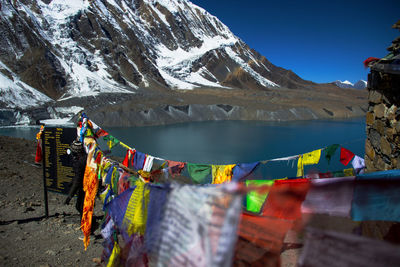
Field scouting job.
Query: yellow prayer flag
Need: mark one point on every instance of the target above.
(136, 211)
(300, 167)
(348, 172)
(307, 159)
(113, 261)
(312, 157)
(222, 173)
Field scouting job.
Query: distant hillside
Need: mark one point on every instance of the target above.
(361, 84)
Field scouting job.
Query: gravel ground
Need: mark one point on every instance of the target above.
(27, 237)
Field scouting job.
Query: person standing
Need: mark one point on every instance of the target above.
(78, 157)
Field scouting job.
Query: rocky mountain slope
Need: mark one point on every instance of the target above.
(55, 54)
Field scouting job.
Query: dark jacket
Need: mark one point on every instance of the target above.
(78, 157)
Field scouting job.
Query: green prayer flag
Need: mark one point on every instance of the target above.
(255, 200)
(111, 141)
(329, 151)
(199, 173)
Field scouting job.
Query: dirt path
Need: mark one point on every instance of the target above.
(27, 238)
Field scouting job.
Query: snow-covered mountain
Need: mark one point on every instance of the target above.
(361, 84)
(81, 48)
(139, 61)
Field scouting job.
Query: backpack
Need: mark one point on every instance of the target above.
(77, 147)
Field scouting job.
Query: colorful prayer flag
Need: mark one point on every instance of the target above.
(199, 172)
(329, 151)
(345, 156)
(222, 173)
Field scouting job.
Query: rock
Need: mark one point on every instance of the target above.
(369, 151)
(379, 126)
(51, 252)
(369, 164)
(374, 96)
(395, 162)
(380, 164)
(370, 118)
(375, 139)
(379, 110)
(385, 146)
(390, 113)
(397, 127)
(390, 132)
(29, 209)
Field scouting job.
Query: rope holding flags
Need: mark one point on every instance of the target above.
(129, 195)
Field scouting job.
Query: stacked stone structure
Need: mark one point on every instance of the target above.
(382, 147)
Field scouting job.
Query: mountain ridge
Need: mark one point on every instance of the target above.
(84, 49)
(360, 84)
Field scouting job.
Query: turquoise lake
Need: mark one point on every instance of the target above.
(228, 142)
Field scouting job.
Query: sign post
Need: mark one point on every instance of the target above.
(57, 168)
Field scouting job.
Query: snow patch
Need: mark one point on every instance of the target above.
(64, 121)
(15, 93)
(260, 79)
(61, 9)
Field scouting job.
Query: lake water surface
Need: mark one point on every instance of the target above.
(225, 142)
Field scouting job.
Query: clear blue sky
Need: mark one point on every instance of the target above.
(321, 41)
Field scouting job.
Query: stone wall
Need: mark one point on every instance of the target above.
(382, 147)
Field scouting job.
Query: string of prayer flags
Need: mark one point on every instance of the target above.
(157, 200)
(90, 185)
(117, 207)
(111, 141)
(285, 198)
(329, 151)
(260, 240)
(175, 167)
(330, 248)
(312, 157)
(198, 227)
(199, 172)
(345, 156)
(242, 170)
(138, 160)
(330, 196)
(376, 197)
(115, 256)
(358, 164)
(309, 158)
(222, 173)
(135, 254)
(148, 163)
(39, 155)
(255, 200)
(136, 211)
(129, 156)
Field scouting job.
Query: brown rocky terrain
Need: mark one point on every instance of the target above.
(27, 237)
(155, 107)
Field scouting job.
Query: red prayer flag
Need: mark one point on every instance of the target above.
(285, 199)
(38, 157)
(345, 156)
(369, 61)
(126, 159)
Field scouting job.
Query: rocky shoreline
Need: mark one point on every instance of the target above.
(160, 107)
